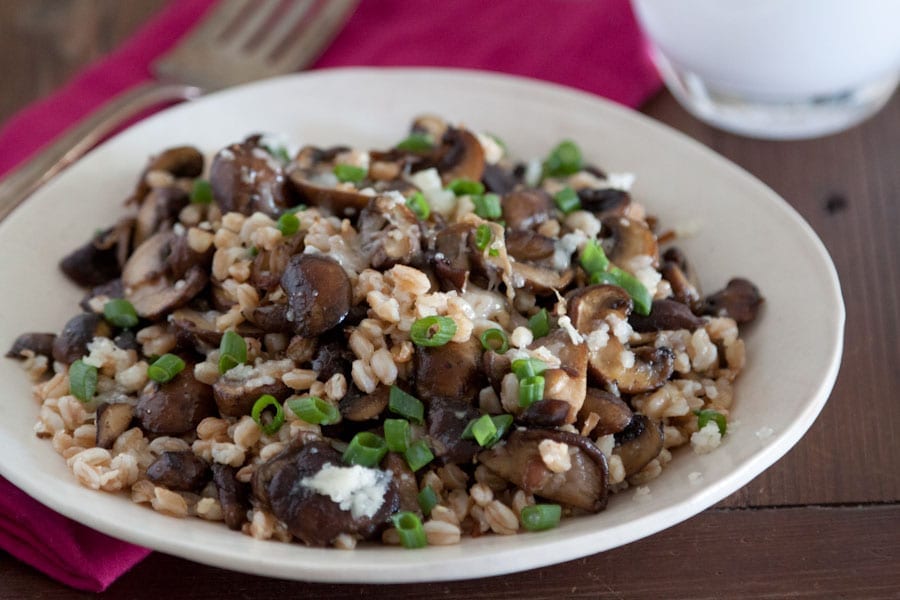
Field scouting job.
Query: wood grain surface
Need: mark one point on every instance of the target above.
(824, 522)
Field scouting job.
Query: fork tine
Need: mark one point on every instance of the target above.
(257, 18)
(218, 21)
(297, 11)
(322, 28)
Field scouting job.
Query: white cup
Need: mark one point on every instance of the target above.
(777, 69)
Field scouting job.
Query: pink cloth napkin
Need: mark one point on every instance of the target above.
(589, 44)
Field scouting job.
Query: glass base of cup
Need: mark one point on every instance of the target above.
(775, 119)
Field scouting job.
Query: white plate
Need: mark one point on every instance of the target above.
(745, 229)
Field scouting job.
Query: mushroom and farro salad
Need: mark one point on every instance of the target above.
(410, 345)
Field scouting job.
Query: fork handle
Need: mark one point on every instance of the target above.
(79, 139)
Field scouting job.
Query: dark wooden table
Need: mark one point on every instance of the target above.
(824, 522)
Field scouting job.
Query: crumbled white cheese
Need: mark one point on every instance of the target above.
(533, 171)
(565, 324)
(564, 247)
(555, 455)
(695, 477)
(764, 432)
(642, 494)
(620, 181)
(707, 439)
(429, 181)
(357, 489)
(521, 337)
(626, 357)
(620, 328)
(597, 339)
(493, 151)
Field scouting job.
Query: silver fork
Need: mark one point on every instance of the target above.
(237, 42)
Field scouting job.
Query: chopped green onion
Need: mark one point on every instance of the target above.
(314, 410)
(432, 331)
(120, 313)
(567, 200)
(496, 340)
(593, 258)
(501, 424)
(396, 434)
(201, 192)
(350, 173)
(232, 351)
(165, 368)
(416, 142)
(264, 402)
(528, 367)
(484, 430)
(628, 282)
(466, 187)
(428, 499)
(296, 209)
(563, 160)
(419, 205)
(366, 449)
(409, 528)
(288, 224)
(279, 152)
(82, 380)
(483, 236)
(418, 455)
(539, 323)
(705, 416)
(540, 516)
(487, 206)
(531, 389)
(405, 405)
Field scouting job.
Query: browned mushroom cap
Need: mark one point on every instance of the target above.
(389, 233)
(150, 288)
(197, 330)
(311, 516)
(319, 293)
(545, 413)
(684, 290)
(451, 371)
(357, 406)
(159, 211)
(452, 253)
(40, 344)
(112, 421)
(232, 495)
(589, 306)
(527, 208)
(569, 381)
(180, 161)
(740, 300)
(495, 367)
(312, 175)
(665, 315)
(245, 178)
(519, 462)
(183, 470)
(101, 259)
(238, 390)
(627, 238)
(498, 180)
(269, 265)
(604, 202)
(613, 413)
(639, 443)
(402, 475)
(431, 125)
(71, 344)
(541, 281)
(175, 407)
(447, 419)
(527, 245)
(461, 156)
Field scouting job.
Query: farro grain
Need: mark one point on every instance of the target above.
(501, 518)
(441, 533)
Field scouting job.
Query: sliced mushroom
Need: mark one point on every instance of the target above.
(402, 475)
(149, 287)
(159, 211)
(613, 413)
(312, 175)
(364, 407)
(180, 161)
(527, 208)
(625, 239)
(332, 356)
(541, 281)
(232, 495)
(568, 382)
(495, 367)
(284, 484)
(271, 318)
(95, 299)
(545, 413)
(740, 300)
(527, 245)
(194, 329)
(112, 421)
(498, 180)
(462, 156)
(682, 289)
(431, 125)
(639, 443)
(519, 462)
(319, 293)
(175, 407)
(447, 419)
(101, 259)
(71, 344)
(245, 178)
(268, 266)
(40, 344)
(182, 470)
(451, 258)
(665, 315)
(449, 372)
(604, 202)
(237, 390)
(389, 233)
